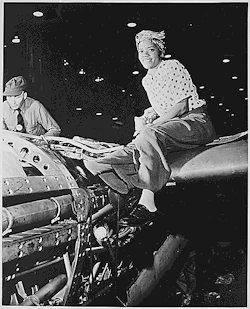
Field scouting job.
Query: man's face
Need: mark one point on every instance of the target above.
(16, 102)
(148, 54)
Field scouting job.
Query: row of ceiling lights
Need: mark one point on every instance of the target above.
(40, 14)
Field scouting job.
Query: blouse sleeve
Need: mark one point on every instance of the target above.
(181, 85)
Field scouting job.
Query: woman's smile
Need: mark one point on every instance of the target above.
(148, 54)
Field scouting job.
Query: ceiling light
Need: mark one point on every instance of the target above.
(234, 77)
(82, 72)
(232, 115)
(99, 79)
(79, 109)
(212, 97)
(220, 104)
(16, 39)
(241, 89)
(227, 110)
(202, 87)
(167, 56)
(5, 46)
(98, 114)
(123, 90)
(115, 118)
(226, 60)
(38, 14)
(135, 72)
(131, 25)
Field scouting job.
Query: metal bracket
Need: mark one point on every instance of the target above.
(57, 217)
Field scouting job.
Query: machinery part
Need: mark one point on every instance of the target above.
(163, 260)
(39, 157)
(227, 160)
(83, 240)
(36, 213)
(46, 292)
(10, 220)
(20, 245)
(50, 214)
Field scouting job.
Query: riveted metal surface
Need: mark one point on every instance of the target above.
(34, 184)
(83, 201)
(23, 244)
(39, 156)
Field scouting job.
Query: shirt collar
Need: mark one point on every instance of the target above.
(22, 107)
(157, 71)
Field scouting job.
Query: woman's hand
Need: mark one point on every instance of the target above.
(150, 115)
(140, 122)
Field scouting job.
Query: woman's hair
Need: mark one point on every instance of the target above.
(153, 36)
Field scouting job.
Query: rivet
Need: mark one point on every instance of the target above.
(60, 186)
(40, 240)
(40, 248)
(27, 180)
(30, 189)
(13, 276)
(10, 191)
(69, 239)
(48, 187)
(36, 159)
(8, 278)
(20, 254)
(6, 182)
(44, 179)
(57, 234)
(57, 242)
(20, 246)
(45, 167)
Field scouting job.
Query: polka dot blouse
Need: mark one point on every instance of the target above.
(170, 84)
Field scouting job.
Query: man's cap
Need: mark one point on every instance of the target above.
(15, 86)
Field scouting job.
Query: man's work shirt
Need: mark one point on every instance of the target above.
(37, 120)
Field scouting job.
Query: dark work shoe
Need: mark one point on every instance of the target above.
(139, 216)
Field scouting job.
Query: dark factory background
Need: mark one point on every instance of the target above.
(80, 60)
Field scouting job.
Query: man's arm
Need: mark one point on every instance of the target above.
(48, 122)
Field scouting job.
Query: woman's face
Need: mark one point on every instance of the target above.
(148, 54)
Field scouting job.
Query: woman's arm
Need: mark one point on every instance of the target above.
(177, 110)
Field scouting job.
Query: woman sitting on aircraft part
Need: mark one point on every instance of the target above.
(176, 120)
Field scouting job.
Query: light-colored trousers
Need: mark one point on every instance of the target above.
(143, 162)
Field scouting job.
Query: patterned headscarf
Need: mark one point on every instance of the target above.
(155, 37)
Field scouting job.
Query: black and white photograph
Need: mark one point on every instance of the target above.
(124, 153)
